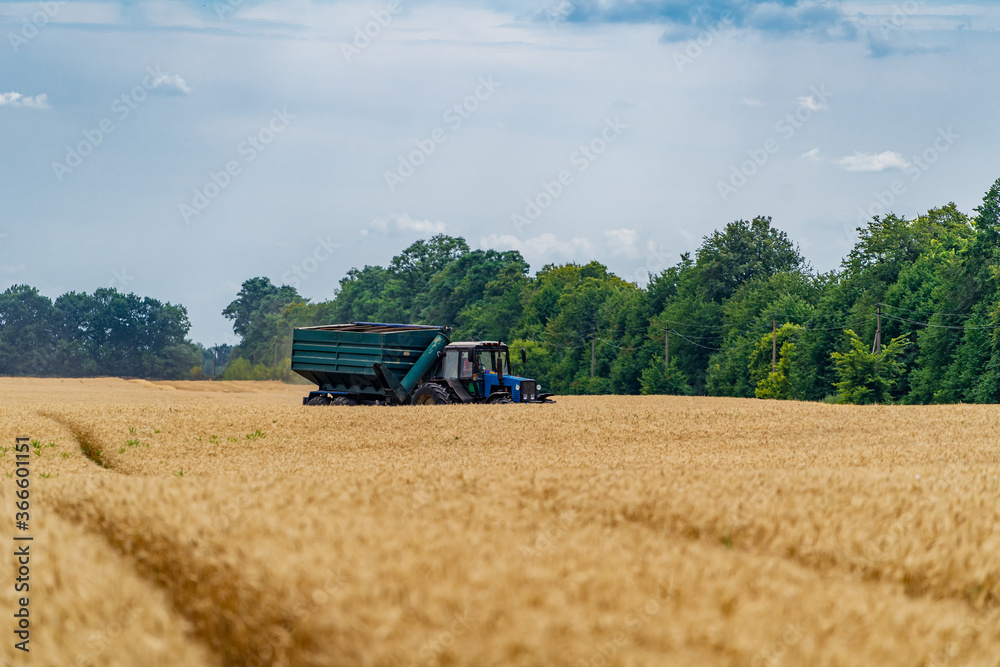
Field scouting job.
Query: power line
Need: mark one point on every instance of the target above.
(713, 349)
(944, 326)
(846, 325)
(910, 310)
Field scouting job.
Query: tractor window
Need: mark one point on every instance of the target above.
(494, 359)
(467, 369)
(486, 360)
(449, 368)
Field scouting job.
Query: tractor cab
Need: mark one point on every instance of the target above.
(481, 371)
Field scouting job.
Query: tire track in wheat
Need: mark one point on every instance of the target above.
(240, 613)
(70, 502)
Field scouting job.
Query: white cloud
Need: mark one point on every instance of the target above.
(871, 162)
(396, 224)
(622, 242)
(810, 102)
(751, 102)
(542, 248)
(18, 100)
(812, 155)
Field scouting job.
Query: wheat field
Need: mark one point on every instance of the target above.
(226, 524)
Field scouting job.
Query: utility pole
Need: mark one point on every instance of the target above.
(593, 345)
(215, 355)
(774, 343)
(878, 332)
(666, 348)
(877, 347)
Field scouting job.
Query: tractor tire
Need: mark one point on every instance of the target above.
(430, 394)
(500, 399)
(319, 400)
(344, 400)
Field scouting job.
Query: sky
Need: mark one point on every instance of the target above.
(177, 148)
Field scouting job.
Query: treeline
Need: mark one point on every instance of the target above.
(744, 316)
(104, 333)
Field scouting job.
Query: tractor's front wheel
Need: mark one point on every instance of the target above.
(430, 394)
(500, 399)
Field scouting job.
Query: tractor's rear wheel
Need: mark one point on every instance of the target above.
(319, 400)
(344, 400)
(430, 394)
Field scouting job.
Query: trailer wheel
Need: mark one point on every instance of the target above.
(319, 400)
(343, 400)
(430, 394)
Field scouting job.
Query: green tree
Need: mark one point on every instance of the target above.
(360, 296)
(657, 379)
(777, 384)
(258, 316)
(28, 332)
(470, 279)
(496, 315)
(751, 310)
(866, 376)
(741, 252)
(767, 383)
(406, 293)
(539, 363)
